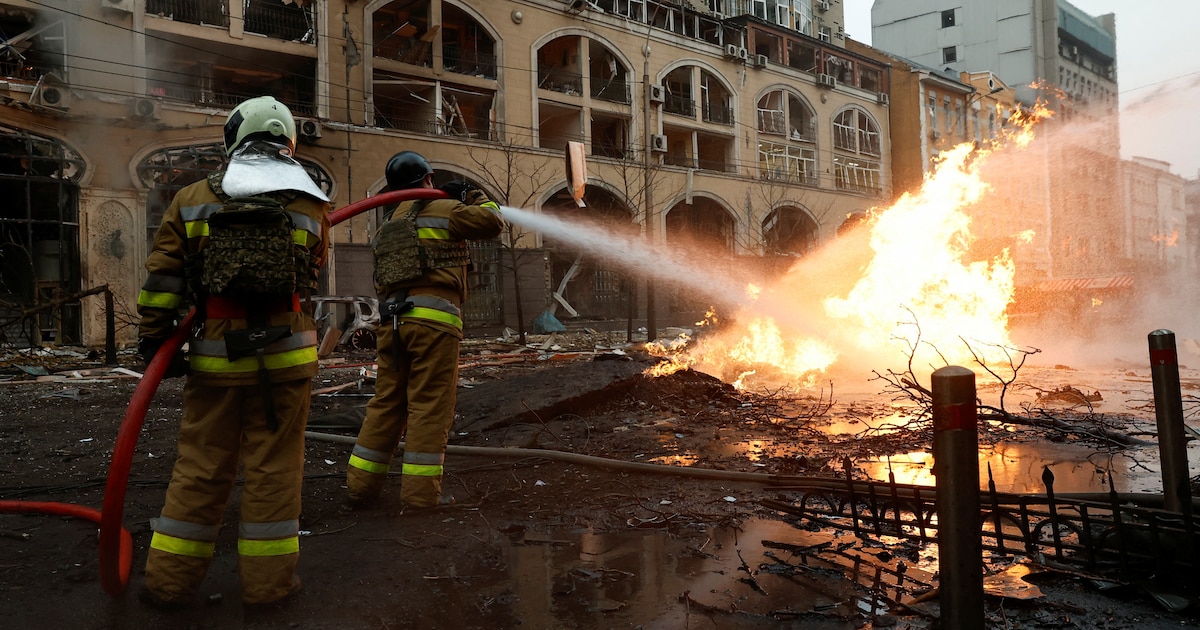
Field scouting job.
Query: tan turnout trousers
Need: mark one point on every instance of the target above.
(222, 424)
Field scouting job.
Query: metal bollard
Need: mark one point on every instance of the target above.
(1168, 410)
(956, 469)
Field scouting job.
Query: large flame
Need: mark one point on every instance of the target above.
(902, 288)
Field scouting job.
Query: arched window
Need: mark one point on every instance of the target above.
(787, 134)
(856, 144)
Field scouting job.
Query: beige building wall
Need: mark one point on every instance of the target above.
(133, 81)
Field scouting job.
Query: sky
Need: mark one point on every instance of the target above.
(1158, 74)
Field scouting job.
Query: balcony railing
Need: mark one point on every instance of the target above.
(391, 120)
(559, 80)
(719, 113)
(289, 22)
(611, 90)
(277, 20)
(679, 104)
(226, 100)
(469, 63)
(211, 12)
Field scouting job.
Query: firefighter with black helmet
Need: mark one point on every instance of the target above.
(421, 259)
(244, 246)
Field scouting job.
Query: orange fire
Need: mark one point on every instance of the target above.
(902, 289)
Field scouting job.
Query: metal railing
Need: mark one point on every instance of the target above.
(474, 64)
(1111, 533)
(719, 113)
(559, 80)
(211, 12)
(679, 104)
(612, 90)
(277, 20)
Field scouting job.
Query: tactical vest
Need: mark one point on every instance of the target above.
(251, 249)
(401, 255)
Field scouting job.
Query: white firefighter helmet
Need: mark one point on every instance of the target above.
(260, 118)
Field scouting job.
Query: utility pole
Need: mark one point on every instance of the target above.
(648, 196)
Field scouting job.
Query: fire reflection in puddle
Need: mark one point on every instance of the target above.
(757, 575)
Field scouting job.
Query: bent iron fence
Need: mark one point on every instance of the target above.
(1096, 532)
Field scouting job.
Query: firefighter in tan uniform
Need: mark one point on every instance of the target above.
(421, 262)
(244, 246)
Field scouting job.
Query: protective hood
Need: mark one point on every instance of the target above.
(261, 167)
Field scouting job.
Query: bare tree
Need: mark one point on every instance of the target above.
(516, 175)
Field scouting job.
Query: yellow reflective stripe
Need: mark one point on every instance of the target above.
(300, 236)
(491, 205)
(420, 312)
(275, 361)
(421, 470)
(368, 465)
(159, 299)
(433, 233)
(196, 228)
(181, 546)
(280, 547)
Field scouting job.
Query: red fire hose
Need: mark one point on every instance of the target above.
(116, 544)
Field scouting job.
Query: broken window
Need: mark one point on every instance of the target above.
(789, 231)
(856, 133)
(31, 46)
(39, 237)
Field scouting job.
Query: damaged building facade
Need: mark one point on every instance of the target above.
(744, 126)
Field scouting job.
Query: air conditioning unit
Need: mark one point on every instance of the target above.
(146, 108)
(826, 80)
(760, 61)
(822, 6)
(308, 128)
(51, 96)
(117, 5)
(658, 143)
(884, 99)
(743, 54)
(731, 51)
(657, 93)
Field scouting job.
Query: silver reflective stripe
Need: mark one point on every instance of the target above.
(268, 531)
(435, 303)
(427, 459)
(433, 222)
(184, 529)
(216, 347)
(163, 283)
(200, 212)
(371, 454)
(306, 223)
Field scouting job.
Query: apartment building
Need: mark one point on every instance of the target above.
(1050, 52)
(1157, 217)
(744, 126)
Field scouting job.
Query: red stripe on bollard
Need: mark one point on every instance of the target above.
(1164, 356)
(955, 417)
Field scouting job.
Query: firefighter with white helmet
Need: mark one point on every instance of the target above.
(244, 246)
(421, 259)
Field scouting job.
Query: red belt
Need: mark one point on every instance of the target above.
(216, 307)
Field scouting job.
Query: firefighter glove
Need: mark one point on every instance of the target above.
(457, 189)
(148, 348)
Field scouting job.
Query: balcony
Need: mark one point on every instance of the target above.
(559, 80)
(273, 19)
(680, 104)
(719, 113)
(611, 90)
(475, 64)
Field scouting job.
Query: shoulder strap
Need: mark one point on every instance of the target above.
(416, 209)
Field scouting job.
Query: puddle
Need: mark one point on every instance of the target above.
(756, 576)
